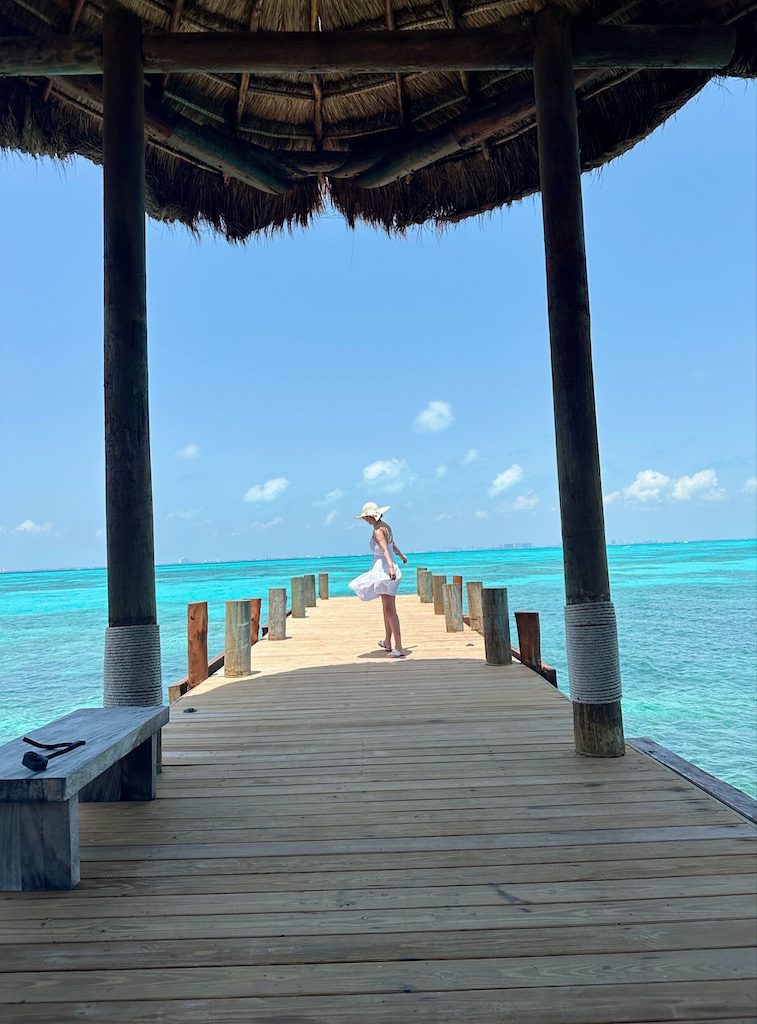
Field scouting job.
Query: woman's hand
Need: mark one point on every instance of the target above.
(392, 572)
(404, 560)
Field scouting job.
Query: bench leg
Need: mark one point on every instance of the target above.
(139, 771)
(39, 846)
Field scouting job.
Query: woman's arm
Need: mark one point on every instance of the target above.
(380, 534)
(398, 552)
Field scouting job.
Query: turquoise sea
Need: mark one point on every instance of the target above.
(687, 618)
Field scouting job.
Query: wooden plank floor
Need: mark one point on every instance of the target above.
(345, 839)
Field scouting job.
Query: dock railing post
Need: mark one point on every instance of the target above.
(458, 582)
(529, 639)
(309, 582)
(298, 597)
(426, 586)
(421, 569)
(590, 626)
(255, 603)
(237, 639)
(475, 613)
(496, 626)
(438, 583)
(277, 613)
(453, 609)
(323, 586)
(197, 643)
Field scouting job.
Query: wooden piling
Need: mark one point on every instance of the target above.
(298, 597)
(255, 603)
(598, 728)
(323, 586)
(197, 643)
(458, 582)
(437, 584)
(418, 571)
(475, 613)
(237, 639)
(309, 582)
(496, 626)
(277, 613)
(529, 639)
(128, 479)
(426, 587)
(453, 609)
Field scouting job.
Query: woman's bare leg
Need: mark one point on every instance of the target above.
(387, 625)
(393, 620)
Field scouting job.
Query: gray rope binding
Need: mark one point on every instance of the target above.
(132, 674)
(591, 633)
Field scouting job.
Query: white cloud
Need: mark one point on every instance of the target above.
(329, 499)
(442, 517)
(436, 416)
(268, 491)
(390, 474)
(505, 479)
(650, 486)
(189, 451)
(482, 514)
(29, 526)
(750, 487)
(191, 513)
(470, 456)
(441, 470)
(703, 484)
(330, 517)
(267, 526)
(525, 501)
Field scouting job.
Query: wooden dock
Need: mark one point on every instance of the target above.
(343, 838)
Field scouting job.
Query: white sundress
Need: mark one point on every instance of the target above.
(376, 581)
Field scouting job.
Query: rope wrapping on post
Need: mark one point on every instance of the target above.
(591, 633)
(132, 674)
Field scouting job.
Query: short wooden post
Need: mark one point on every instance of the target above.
(426, 587)
(597, 723)
(323, 586)
(236, 649)
(474, 606)
(309, 582)
(277, 613)
(496, 626)
(418, 571)
(453, 609)
(529, 639)
(298, 597)
(438, 583)
(132, 652)
(255, 603)
(197, 642)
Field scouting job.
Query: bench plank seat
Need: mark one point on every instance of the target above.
(39, 811)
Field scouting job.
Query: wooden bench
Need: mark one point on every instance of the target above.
(39, 811)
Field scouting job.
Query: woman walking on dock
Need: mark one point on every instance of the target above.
(383, 578)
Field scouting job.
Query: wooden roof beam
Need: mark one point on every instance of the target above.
(322, 53)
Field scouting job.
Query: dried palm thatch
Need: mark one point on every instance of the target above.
(333, 137)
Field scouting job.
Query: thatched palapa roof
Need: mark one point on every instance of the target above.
(253, 153)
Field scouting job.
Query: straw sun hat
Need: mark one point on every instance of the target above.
(372, 509)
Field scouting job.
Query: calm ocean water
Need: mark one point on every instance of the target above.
(687, 618)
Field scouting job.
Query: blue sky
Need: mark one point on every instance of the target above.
(295, 378)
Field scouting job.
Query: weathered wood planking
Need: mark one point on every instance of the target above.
(341, 837)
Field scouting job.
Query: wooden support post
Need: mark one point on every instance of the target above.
(496, 626)
(426, 587)
(309, 582)
(277, 613)
(529, 639)
(418, 571)
(128, 482)
(474, 606)
(437, 584)
(39, 845)
(453, 609)
(197, 643)
(237, 639)
(323, 586)
(458, 582)
(298, 597)
(255, 603)
(598, 727)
